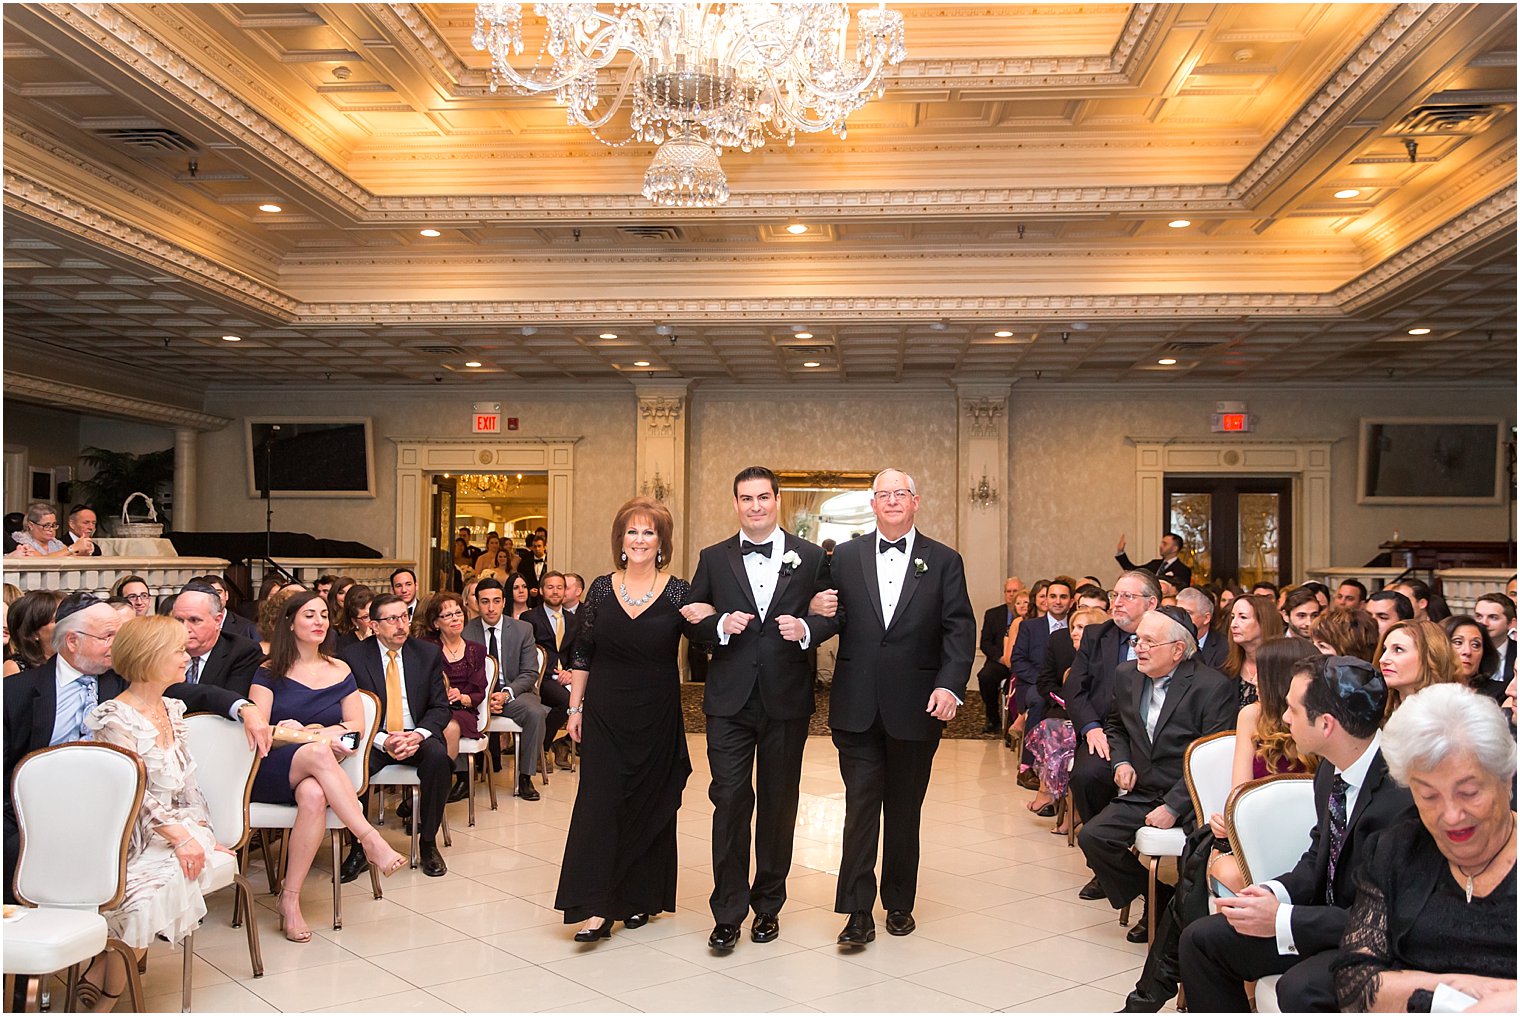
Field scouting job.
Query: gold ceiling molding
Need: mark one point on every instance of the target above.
(44, 204)
(77, 398)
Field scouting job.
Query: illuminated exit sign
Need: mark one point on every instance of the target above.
(1231, 418)
(487, 417)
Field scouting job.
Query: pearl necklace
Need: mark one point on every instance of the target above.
(623, 593)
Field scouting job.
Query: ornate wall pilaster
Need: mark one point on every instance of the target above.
(982, 452)
(660, 454)
(186, 479)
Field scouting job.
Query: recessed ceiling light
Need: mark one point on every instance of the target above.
(232, 338)
(608, 335)
(937, 326)
(472, 363)
(1003, 334)
(1419, 331)
(529, 330)
(1180, 223)
(1349, 192)
(429, 232)
(797, 229)
(802, 335)
(810, 363)
(641, 363)
(1167, 361)
(270, 207)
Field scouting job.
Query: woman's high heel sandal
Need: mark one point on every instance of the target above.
(388, 865)
(293, 936)
(595, 934)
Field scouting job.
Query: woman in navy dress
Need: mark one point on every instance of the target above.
(300, 687)
(625, 712)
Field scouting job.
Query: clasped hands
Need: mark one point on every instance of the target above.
(736, 621)
(402, 744)
(1159, 817)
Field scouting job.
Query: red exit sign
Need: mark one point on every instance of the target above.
(1232, 423)
(486, 417)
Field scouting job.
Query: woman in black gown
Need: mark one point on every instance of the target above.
(625, 712)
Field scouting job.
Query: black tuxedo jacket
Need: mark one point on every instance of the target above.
(543, 634)
(994, 628)
(1089, 690)
(758, 654)
(422, 670)
(1199, 701)
(533, 573)
(1215, 650)
(1059, 656)
(892, 669)
(1029, 649)
(1380, 804)
(1177, 573)
(71, 539)
(231, 663)
(237, 624)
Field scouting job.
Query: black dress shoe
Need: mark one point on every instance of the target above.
(1139, 1002)
(432, 861)
(354, 864)
(764, 928)
(595, 934)
(1091, 891)
(459, 791)
(990, 728)
(526, 790)
(724, 937)
(900, 922)
(1138, 934)
(859, 929)
(635, 920)
(404, 806)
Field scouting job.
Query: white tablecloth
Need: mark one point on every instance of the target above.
(121, 546)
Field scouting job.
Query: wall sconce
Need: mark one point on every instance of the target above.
(655, 488)
(984, 494)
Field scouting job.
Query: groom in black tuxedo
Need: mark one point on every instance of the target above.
(908, 638)
(758, 697)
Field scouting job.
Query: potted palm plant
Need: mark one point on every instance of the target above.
(119, 475)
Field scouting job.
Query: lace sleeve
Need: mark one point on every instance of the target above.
(585, 639)
(1365, 954)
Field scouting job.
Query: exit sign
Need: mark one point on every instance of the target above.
(1232, 423)
(486, 417)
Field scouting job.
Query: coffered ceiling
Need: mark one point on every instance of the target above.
(1018, 176)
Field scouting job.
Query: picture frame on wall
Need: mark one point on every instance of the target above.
(42, 486)
(1442, 461)
(310, 456)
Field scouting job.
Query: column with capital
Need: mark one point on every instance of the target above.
(660, 454)
(185, 479)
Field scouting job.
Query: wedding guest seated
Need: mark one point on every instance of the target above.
(323, 586)
(1345, 631)
(38, 536)
(464, 671)
(354, 624)
(1477, 660)
(1351, 594)
(1253, 620)
(171, 838)
(1412, 656)
(554, 629)
(81, 529)
(30, 621)
(1388, 607)
(1053, 743)
(1320, 591)
(231, 621)
(1292, 924)
(1264, 745)
(302, 689)
(575, 591)
(1163, 702)
(1300, 609)
(217, 657)
(515, 695)
(1435, 900)
(135, 589)
(337, 594)
(1213, 647)
(1496, 612)
(271, 610)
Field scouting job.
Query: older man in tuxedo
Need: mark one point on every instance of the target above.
(908, 639)
(1163, 702)
(47, 705)
(406, 674)
(758, 697)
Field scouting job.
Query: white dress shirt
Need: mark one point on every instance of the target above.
(406, 707)
(1355, 776)
(764, 574)
(891, 572)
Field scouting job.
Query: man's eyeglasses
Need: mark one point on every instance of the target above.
(891, 495)
(139, 597)
(1119, 594)
(390, 620)
(104, 638)
(1142, 642)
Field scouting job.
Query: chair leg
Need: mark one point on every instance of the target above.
(188, 945)
(71, 989)
(447, 840)
(1071, 819)
(469, 767)
(516, 771)
(243, 892)
(490, 782)
(416, 828)
(1124, 916)
(134, 979)
(337, 879)
(269, 868)
(1150, 901)
(548, 764)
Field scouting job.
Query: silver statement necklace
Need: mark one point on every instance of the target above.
(623, 593)
(1491, 860)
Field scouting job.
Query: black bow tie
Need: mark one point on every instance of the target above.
(763, 549)
(900, 545)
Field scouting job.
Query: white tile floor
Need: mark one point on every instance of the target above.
(999, 923)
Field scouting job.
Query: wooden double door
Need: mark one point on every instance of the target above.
(1237, 528)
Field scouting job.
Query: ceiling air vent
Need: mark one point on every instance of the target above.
(1451, 118)
(1189, 346)
(155, 141)
(667, 234)
(440, 350)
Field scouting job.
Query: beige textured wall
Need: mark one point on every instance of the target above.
(834, 429)
(603, 471)
(1073, 489)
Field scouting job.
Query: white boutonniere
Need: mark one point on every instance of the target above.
(789, 562)
(918, 566)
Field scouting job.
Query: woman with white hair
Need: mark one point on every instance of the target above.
(1435, 905)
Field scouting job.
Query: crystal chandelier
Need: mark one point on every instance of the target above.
(699, 77)
(492, 484)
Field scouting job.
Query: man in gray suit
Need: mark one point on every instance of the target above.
(515, 693)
